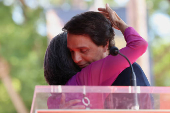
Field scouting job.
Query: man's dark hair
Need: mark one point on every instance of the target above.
(94, 24)
(58, 64)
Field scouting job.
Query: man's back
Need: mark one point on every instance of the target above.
(124, 77)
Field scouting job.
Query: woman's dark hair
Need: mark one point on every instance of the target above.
(58, 64)
(94, 24)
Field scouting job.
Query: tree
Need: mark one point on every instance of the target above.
(160, 44)
(23, 48)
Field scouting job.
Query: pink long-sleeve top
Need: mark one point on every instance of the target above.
(105, 71)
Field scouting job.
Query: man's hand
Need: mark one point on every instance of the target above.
(116, 21)
(70, 104)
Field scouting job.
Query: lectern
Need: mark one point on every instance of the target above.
(101, 99)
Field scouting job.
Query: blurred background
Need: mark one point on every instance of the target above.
(26, 27)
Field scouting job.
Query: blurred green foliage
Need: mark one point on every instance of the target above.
(23, 48)
(160, 45)
(161, 62)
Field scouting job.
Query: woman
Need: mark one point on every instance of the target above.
(58, 65)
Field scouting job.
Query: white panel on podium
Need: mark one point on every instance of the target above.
(100, 99)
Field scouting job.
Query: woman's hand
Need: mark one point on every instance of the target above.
(70, 104)
(116, 21)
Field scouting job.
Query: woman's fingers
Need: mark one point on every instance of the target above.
(108, 9)
(102, 9)
(111, 15)
(105, 14)
(62, 98)
(69, 104)
(114, 18)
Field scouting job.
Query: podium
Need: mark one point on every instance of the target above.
(101, 99)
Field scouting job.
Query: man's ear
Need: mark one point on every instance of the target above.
(106, 47)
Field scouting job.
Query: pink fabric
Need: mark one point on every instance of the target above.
(105, 71)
